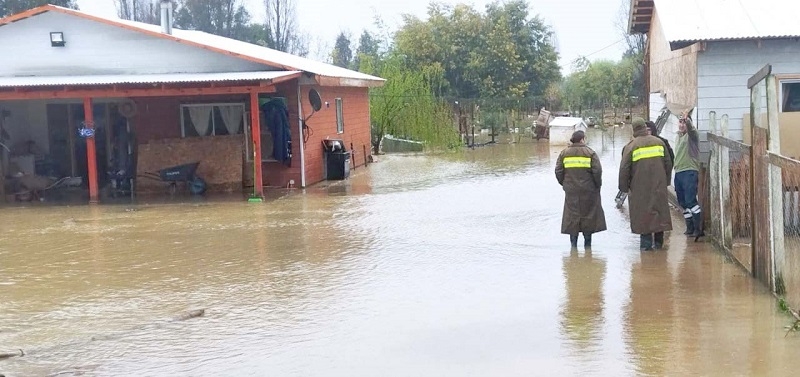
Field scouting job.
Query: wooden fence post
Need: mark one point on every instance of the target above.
(715, 206)
(761, 224)
(725, 187)
(775, 187)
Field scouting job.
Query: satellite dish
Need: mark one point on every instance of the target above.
(314, 98)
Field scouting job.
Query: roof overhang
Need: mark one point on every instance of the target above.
(263, 77)
(640, 16)
(344, 81)
(105, 86)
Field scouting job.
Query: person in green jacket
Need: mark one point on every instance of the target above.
(687, 167)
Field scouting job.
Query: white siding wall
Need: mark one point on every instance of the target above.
(96, 48)
(723, 70)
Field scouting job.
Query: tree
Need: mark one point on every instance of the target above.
(521, 57)
(342, 54)
(449, 37)
(147, 11)
(227, 18)
(636, 44)
(368, 46)
(502, 53)
(281, 26)
(406, 107)
(9, 7)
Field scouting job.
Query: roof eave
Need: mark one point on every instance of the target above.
(640, 16)
(683, 43)
(346, 81)
(677, 45)
(26, 14)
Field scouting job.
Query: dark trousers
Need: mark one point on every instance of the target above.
(686, 191)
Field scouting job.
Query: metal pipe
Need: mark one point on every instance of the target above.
(166, 17)
(302, 143)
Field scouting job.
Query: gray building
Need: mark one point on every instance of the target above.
(700, 54)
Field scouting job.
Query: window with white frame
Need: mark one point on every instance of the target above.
(339, 116)
(212, 119)
(790, 96)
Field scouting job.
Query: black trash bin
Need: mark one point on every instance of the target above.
(337, 160)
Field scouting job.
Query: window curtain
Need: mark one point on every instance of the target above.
(232, 117)
(201, 119)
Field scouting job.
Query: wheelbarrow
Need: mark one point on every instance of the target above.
(179, 173)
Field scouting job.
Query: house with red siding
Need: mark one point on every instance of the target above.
(99, 100)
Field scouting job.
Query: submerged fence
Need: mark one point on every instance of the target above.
(754, 196)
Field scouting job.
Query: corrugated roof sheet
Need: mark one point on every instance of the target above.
(30, 81)
(257, 52)
(707, 20)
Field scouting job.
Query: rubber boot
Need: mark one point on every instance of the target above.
(573, 240)
(658, 240)
(646, 242)
(697, 218)
(587, 240)
(689, 226)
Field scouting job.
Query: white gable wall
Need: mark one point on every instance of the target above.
(97, 48)
(723, 69)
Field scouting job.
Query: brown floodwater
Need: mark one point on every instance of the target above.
(420, 265)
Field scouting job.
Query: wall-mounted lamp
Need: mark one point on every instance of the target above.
(57, 39)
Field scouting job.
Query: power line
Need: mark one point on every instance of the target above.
(601, 50)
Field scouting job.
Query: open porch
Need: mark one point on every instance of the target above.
(100, 133)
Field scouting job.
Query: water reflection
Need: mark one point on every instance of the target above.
(649, 314)
(582, 314)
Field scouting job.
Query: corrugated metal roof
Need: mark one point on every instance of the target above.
(29, 81)
(254, 51)
(707, 20)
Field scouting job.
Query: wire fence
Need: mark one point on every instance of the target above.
(754, 197)
(477, 118)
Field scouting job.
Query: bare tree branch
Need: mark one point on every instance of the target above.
(147, 11)
(281, 25)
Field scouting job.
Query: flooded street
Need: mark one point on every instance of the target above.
(444, 265)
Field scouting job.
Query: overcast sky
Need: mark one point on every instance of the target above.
(583, 27)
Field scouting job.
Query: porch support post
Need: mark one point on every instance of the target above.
(91, 151)
(255, 132)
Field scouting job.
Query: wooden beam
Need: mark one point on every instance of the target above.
(255, 132)
(91, 150)
(725, 142)
(24, 15)
(759, 76)
(18, 94)
(783, 162)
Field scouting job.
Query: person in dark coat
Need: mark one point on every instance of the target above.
(579, 172)
(644, 173)
(651, 127)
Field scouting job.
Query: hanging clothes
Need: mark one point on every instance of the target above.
(277, 117)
